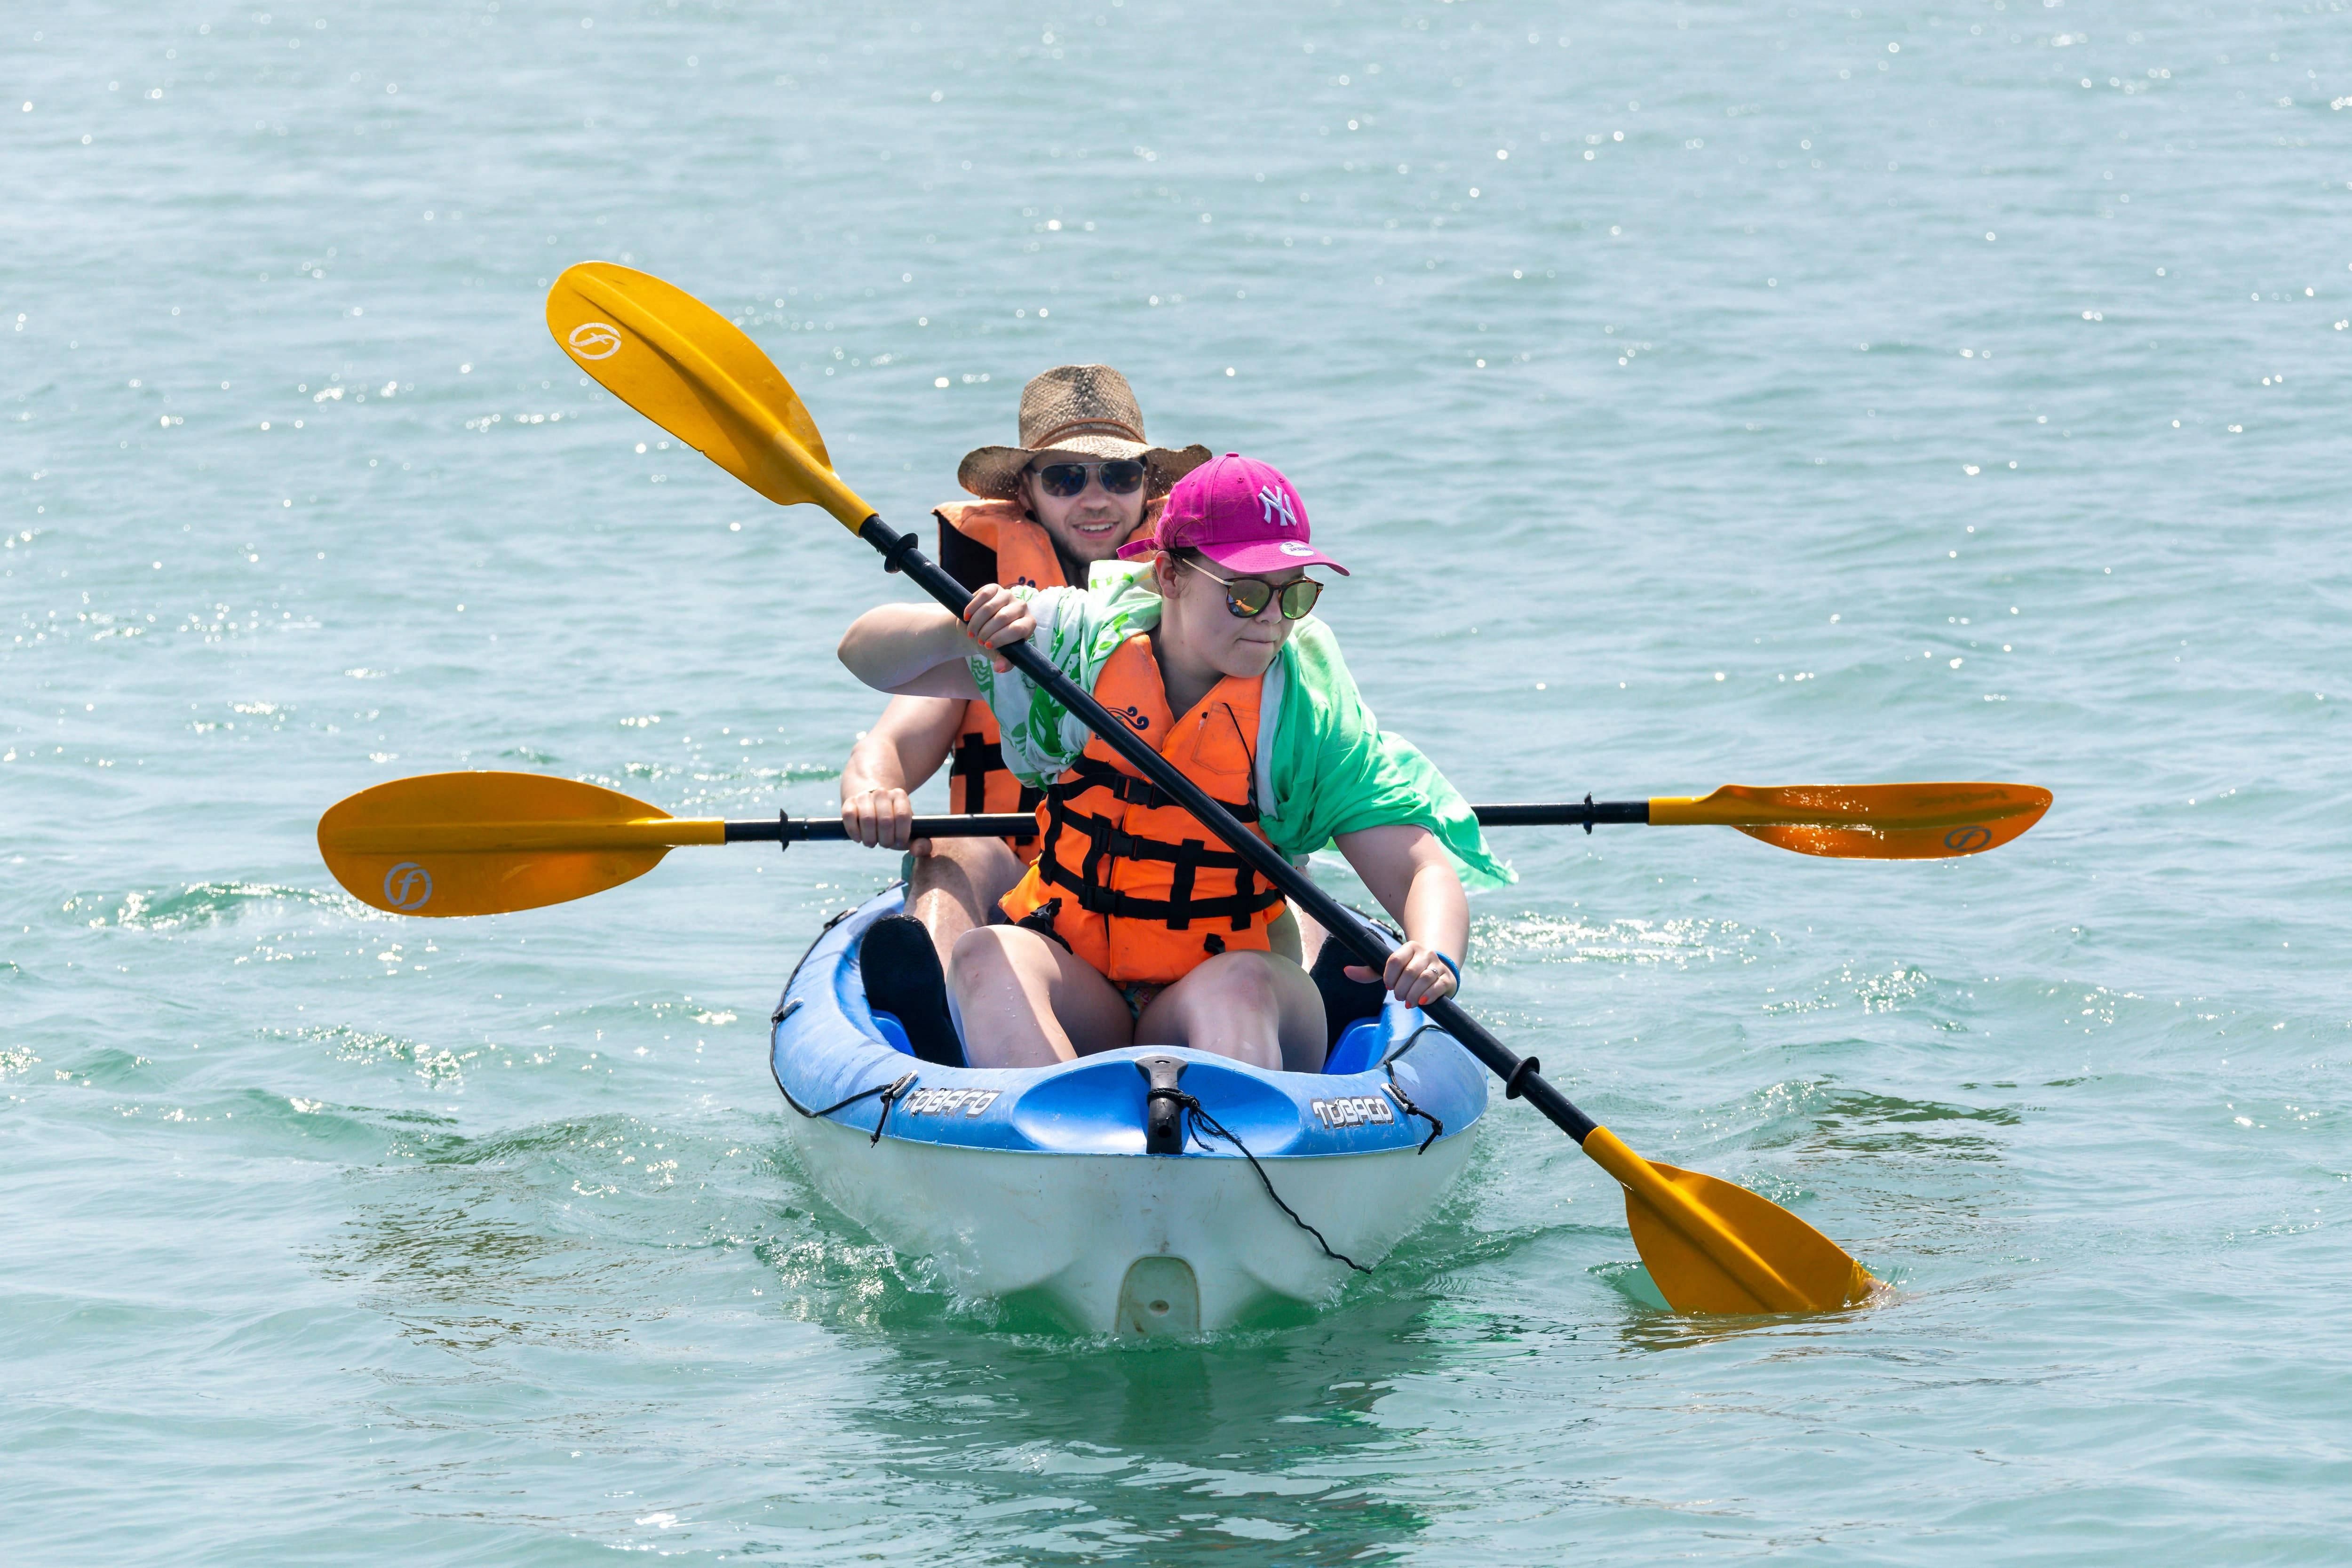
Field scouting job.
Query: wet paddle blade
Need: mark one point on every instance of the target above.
(488, 843)
(692, 372)
(1867, 822)
(1712, 1247)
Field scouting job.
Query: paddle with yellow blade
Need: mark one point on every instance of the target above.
(491, 843)
(1709, 1245)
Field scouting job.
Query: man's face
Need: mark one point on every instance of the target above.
(1091, 525)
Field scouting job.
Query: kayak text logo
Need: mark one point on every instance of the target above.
(1355, 1111)
(407, 886)
(595, 339)
(948, 1102)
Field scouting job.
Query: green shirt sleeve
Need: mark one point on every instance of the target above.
(1334, 770)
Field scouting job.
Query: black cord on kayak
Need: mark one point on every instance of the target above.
(889, 1091)
(1405, 1104)
(1201, 1119)
(1405, 1100)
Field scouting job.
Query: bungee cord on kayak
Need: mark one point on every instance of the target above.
(1197, 1116)
(890, 1093)
(1396, 1091)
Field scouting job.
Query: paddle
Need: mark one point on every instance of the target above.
(1710, 1247)
(491, 843)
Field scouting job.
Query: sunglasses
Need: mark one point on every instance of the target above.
(1120, 476)
(1247, 596)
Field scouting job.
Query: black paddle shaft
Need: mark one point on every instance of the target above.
(901, 552)
(792, 830)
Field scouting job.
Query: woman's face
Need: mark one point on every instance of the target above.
(1194, 615)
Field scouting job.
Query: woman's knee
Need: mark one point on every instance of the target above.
(1252, 981)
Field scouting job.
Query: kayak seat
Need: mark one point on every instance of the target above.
(1346, 1002)
(893, 1033)
(1359, 1049)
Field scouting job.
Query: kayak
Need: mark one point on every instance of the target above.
(1146, 1190)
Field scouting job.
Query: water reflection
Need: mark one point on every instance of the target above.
(1191, 1448)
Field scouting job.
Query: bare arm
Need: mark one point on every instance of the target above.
(905, 748)
(909, 649)
(1407, 871)
(917, 650)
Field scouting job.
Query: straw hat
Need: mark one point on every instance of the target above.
(1087, 410)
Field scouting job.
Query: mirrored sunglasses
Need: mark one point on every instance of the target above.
(1247, 596)
(1120, 476)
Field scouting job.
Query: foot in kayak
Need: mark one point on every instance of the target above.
(903, 978)
(1345, 1001)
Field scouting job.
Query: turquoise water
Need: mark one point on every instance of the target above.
(1810, 395)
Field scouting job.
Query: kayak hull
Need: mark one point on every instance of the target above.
(1033, 1185)
(1067, 1231)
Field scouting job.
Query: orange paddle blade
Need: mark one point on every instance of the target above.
(1713, 1247)
(487, 843)
(692, 372)
(1867, 822)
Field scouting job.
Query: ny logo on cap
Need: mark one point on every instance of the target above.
(1276, 504)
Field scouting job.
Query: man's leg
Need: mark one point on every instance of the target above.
(953, 888)
(1255, 1007)
(949, 892)
(1026, 1001)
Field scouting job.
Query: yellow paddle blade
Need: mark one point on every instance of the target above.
(1711, 1247)
(692, 372)
(487, 843)
(1867, 822)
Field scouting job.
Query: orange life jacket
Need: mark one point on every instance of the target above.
(978, 782)
(1130, 881)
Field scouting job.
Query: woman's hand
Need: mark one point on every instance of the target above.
(1414, 976)
(882, 819)
(1407, 871)
(995, 616)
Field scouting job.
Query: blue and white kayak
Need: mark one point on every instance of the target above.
(1036, 1183)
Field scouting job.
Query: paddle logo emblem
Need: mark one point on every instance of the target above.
(407, 886)
(1965, 840)
(595, 339)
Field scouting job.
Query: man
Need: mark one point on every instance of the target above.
(1082, 483)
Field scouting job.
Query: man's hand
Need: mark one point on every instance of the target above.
(882, 819)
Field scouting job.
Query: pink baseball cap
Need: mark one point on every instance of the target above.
(1240, 513)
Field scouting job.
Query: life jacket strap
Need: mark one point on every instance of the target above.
(1107, 841)
(972, 760)
(1092, 773)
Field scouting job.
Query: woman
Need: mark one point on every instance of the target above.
(1135, 924)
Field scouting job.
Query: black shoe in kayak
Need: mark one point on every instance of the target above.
(1345, 1001)
(903, 978)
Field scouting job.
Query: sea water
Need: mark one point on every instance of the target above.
(1700, 394)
